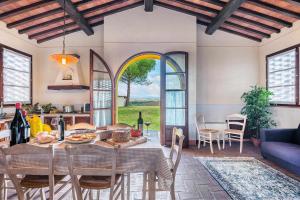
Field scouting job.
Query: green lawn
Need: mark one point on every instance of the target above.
(130, 114)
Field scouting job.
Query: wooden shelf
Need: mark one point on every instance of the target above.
(68, 87)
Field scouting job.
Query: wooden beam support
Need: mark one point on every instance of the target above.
(215, 11)
(42, 15)
(224, 14)
(209, 19)
(6, 2)
(26, 8)
(148, 5)
(67, 32)
(90, 10)
(72, 11)
(274, 8)
(231, 31)
(253, 13)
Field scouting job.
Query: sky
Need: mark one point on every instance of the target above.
(144, 91)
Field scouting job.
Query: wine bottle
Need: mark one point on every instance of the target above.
(61, 128)
(26, 128)
(17, 126)
(140, 123)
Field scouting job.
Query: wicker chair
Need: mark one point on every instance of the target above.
(30, 167)
(173, 163)
(97, 167)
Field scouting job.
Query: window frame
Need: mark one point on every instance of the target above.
(2, 46)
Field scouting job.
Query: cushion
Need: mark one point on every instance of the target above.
(296, 138)
(38, 181)
(97, 182)
(287, 152)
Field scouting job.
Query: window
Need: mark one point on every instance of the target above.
(15, 84)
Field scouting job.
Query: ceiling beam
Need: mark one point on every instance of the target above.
(148, 5)
(72, 11)
(242, 19)
(26, 8)
(231, 31)
(87, 11)
(208, 19)
(66, 33)
(274, 8)
(224, 14)
(42, 15)
(6, 2)
(253, 13)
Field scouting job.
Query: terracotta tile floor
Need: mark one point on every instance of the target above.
(192, 180)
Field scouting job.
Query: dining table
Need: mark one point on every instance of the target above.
(145, 157)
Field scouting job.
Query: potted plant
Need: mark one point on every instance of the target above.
(258, 110)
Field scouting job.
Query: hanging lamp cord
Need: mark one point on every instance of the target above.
(64, 28)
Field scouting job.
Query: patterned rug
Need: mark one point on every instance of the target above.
(248, 178)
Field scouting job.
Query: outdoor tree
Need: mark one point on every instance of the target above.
(137, 73)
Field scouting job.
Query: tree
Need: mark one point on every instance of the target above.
(137, 73)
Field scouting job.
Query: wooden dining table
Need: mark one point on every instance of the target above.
(146, 157)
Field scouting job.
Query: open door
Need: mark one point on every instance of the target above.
(174, 95)
(101, 89)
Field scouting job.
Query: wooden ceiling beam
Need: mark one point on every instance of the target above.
(68, 25)
(274, 8)
(6, 2)
(42, 15)
(77, 17)
(209, 19)
(25, 9)
(148, 5)
(231, 31)
(253, 13)
(84, 12)
(223, 15)
(216, 11)
(67, 32)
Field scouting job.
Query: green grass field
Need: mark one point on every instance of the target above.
(130, 114)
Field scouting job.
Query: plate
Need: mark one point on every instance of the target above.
(81, 141)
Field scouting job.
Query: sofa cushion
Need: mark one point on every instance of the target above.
(287, 152)
(296, 138)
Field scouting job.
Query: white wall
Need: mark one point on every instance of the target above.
(227, 67)
(285, 117)
(134, 31)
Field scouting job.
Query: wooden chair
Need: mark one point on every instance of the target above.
(173, 162)
(97, 167)
(207, 135)
(30, 167)
(236, 124)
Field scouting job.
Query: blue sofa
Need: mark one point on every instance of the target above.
(282, 146)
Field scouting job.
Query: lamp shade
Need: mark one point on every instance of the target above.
(64, 59)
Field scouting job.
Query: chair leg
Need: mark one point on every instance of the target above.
(218, 141)
(199, 143)
(144, 185)
(122, 188)
(211, 145)
(42, 193)
(91, 194)
(98, 194)
(128, 186)
(241, 144)
(229, 138)
(204, 142)
(223, 141)
(172, 192)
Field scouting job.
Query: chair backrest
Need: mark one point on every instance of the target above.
(236, 120)
(176, 148)
(91, 160)
(200, 122)
(28, 159)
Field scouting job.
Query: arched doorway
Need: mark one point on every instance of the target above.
(173, 91)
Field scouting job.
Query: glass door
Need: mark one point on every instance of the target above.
(102, 88)
(174, 95)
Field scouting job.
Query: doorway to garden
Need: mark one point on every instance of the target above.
(138, 90)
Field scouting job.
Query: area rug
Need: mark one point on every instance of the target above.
(248, 178)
